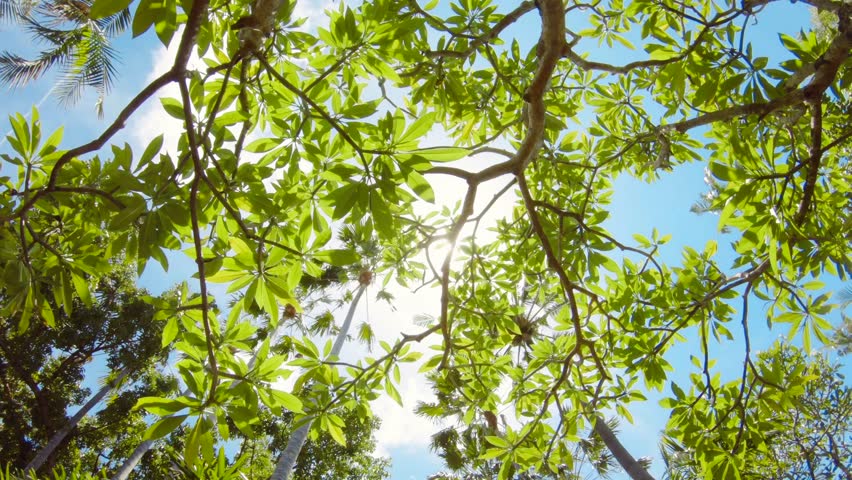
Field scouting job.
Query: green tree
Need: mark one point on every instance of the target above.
(323, 457)
(355, 120)
(843, 333)
(807, 438)
(44, 366)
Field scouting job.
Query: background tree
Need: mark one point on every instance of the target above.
(806, 438)
(324, 457)
(43, 369)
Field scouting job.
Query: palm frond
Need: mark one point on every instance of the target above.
(423, 320)
(445, 444)
(366, 335)
(115, 25)
(17, 8)
(845, 295)
(10, 9)
(17, 71)
(93, 66)
(83, 51)
(58, 12)
(52, 36)
(432, 411)
(678, 460)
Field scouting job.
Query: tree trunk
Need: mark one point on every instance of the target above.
(60, 435)
(287, 460)
(133, 459)
(627, 462)
(124, 471)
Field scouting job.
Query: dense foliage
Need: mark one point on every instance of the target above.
(548, 318)
(809, 441)
(42, 369)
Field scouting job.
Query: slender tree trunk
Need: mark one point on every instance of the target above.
(133, 459)
(625, 459)
(60, 435)
(287, 460)
(124, 471)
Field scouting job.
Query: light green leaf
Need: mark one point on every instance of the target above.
(170, 331)
(442, 154)
(105, 8)
(420, 127)
(173, 107)
(336, 257)
(336, 434)
(152, 149)
(163, 427)
(263, 145)
(159, 406)
(420, 186)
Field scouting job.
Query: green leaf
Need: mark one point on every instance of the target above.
(420, 127)
(382, 218)
(163, 427)
(166, 21)
(173, 107)
(336, 257)
(286, 400)
(343, 200)
(677, 391)
(492, 453)
(724, 172)
(50, 321)
(159, 406)
(152, 149)
(52, 143)
(263, 145)
(430, 364)
(105, 8)
(81, 286)
(145, 16)
(392, 392)
(170, 331)
(442, 154)
(498, 442)
(336, 434)
(420, 186)
(133, 209)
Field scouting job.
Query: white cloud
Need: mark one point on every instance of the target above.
(313, 12)
(401, 428)
(153, 120)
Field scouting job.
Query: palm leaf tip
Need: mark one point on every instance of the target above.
(14, 10)
(17, 71)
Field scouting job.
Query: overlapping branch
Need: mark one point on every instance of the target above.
(178, 70)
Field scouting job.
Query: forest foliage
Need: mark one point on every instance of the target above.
(550, 319)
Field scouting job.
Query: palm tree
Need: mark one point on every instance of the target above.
(74, 42)
(359, 238)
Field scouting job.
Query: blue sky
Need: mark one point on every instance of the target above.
(637, 207)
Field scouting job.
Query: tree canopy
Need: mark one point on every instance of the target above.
(544, 316)
(42, 371)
